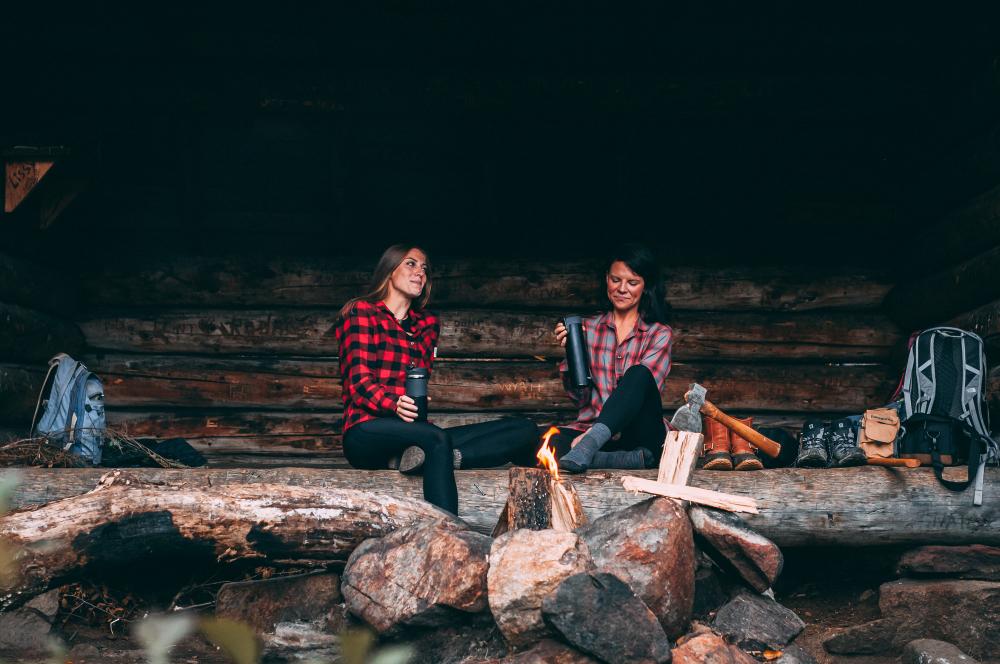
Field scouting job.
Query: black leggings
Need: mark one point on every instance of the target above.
(372, 443)
(633, 410)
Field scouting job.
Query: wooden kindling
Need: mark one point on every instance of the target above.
(680, 454)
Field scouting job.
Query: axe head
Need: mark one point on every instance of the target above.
(686, 419)
(695, 396)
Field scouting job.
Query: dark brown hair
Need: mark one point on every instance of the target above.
(378, 288)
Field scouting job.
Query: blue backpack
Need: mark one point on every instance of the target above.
(74, 411)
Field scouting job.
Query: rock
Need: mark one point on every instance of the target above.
(265, 603)
(549, 652)
(757, 623)
(46, 604)
(709, 648)
(709, 592)
(795, 655)
(84, 653)
(472, 637)
(24, 630)
(525, 566)
(929, 651)
(975, 561)
(417, 575)
(870, 638)
(965, 613)
(757, 559)
(649, 546)
(599, 615)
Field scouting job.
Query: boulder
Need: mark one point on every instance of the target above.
(757, 559)
(649, 546)
(930, 651)
(265, 603)
(418, 575)
(709, 648)
(549, 652)
(525, 566)
(24, 630)
(975, 561)
(795, 655)
(599, 614)
(755, 622)
(870, 638)
(46, 604)
(709, 592)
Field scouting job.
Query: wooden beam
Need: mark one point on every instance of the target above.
(797, 506)
(327, 283)
(844, 336)
(20, 178)
(279, 384)
(940, 296)
(31, 336)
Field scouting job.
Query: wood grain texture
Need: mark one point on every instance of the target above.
(184, 381)
(27, 335)
(865, 506)
(844, 336)
(328, 283)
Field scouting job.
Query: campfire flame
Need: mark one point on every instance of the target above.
(546, 454)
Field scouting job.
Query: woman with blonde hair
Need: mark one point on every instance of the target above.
(382, 335)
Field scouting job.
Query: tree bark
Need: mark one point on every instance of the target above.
(27, 335)
(126, 517)
(861, 506)
(847, 336)
(328, 283)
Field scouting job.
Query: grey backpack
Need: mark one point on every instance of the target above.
(74, 410)
(945, 376)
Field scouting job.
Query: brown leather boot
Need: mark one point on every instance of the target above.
(744, 454)
(717, 445)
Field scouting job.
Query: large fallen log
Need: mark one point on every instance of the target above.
(304, 282)
(497, 334)
(865, 506)
(126, 517)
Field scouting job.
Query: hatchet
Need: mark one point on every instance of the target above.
(696, 401)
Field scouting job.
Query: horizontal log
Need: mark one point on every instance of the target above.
(258, 438)
(303, 282)
(984, 321)
(184, 381)
(27, 335)
(125, 519)
(798, 506)
(972, 226)
(936, 298)
(37, 287)
(842, 336)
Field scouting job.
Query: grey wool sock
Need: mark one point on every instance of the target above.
(579, 458)
(636, 459)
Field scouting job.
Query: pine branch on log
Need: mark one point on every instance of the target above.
(126, 517)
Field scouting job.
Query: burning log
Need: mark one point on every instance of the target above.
(539, 499)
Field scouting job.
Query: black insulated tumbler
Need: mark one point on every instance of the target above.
(416, 389)
(576, 352)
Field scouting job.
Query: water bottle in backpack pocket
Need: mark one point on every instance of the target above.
(74, 411)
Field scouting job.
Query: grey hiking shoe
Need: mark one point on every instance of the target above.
(812, 445)
(844, 445)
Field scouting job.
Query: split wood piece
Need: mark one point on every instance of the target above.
(723, 501)
(125, 518)
(537, 501)
(680, 455)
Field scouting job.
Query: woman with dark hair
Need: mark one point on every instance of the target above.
(382, 334)
(620, 422)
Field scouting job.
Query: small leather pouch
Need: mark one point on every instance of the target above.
(878, 431)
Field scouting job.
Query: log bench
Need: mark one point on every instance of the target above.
(864, 506)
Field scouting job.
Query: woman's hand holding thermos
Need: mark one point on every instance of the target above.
(406, 409)
(561, 333)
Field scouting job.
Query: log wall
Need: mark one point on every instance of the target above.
(239, 355)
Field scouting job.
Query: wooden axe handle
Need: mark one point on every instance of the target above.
(757, 439)
(893, 462)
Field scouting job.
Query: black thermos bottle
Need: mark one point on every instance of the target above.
(576, 352)
(416, 389)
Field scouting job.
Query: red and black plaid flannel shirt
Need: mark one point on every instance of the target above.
(648, 344)
(375, 354)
